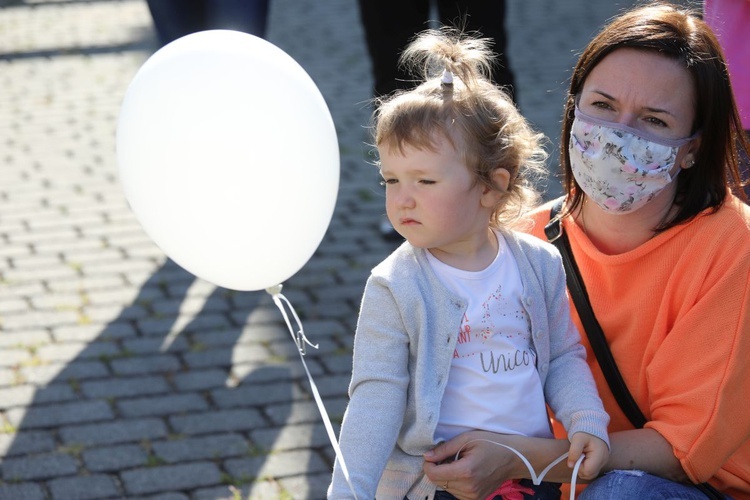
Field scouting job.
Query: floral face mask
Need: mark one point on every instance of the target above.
(618, 167)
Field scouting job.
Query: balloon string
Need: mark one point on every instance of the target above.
(534, 478)
(300, 340)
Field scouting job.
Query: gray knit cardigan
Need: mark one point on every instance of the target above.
(406, 334)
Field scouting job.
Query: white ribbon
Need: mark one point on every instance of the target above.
(534, 478)
(301, 341)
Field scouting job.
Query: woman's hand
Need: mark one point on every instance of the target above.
(483, 465)
(480, 468)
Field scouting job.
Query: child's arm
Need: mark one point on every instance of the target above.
(377, 393)
(596, 454)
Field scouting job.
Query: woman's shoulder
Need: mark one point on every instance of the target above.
(730, 221)
(736, 211)
(533, 221)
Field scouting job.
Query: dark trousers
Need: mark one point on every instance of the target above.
(390, 24)
(174, 19)
(542, 491)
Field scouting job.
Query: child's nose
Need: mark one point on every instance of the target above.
(405, 197)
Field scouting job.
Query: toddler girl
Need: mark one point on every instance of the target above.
(466, 325)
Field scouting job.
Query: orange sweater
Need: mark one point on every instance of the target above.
(676, 314)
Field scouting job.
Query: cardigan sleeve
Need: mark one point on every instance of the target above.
(377, 392)
(570, 389)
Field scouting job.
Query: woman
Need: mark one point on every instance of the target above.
(663, 246)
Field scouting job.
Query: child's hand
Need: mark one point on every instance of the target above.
(595, 450)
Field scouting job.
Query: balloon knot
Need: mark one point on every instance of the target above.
(274, 290)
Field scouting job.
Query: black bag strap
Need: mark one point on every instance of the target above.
(577, 290)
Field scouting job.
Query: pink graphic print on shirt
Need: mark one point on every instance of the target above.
(500, 337)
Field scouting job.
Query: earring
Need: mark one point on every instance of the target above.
(689, 163)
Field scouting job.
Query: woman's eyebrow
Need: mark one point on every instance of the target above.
(649, 108)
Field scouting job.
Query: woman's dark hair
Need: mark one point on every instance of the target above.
(680, 34)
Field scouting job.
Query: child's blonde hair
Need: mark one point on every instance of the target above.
(478, 118)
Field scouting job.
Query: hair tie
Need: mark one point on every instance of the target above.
(447, 77)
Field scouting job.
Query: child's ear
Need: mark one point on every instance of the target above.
(501, 180)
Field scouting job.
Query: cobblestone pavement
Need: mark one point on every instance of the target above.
(121, 375)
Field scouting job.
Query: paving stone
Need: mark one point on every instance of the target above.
(37, 467)
(331, 386)
(23, 395)
(282, 464)
(194, 305)
(120, 431)
(311, 486)
(15, 357)
(151, 345)
(255, 394)
(83, 488)
(167, 496)
(161, 363)
(305, 412)
(292, 437)
(196, 380)
(78, 350)
(223, 493)
(162, 405)
(75, 370)
(217, 421)
(213, 358)
(25, 491)
(54, 415)
(125, 387)
(114, 458)
(9, 377)
(87, 333)
(107, 313)
(170, 477)
(26, 443)
(338, 363)
(201, 448)
(24, 338)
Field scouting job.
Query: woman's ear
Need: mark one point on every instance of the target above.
(500, 178)
(689, 160)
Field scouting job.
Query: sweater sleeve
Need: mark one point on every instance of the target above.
(377, 393)
(698, 378)
(570, 389)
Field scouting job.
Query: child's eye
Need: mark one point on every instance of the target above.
(385, 182)
(426, 181)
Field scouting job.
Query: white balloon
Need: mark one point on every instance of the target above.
(229, 159)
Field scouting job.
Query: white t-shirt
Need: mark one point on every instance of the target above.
(493, 383)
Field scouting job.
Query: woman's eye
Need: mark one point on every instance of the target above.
(655, 121)
(601, 105)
